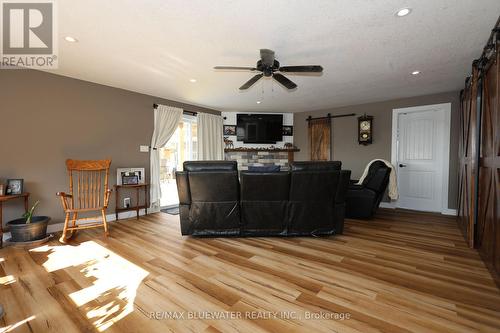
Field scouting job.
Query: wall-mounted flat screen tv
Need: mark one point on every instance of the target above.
(259, 128)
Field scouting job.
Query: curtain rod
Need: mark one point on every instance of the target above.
(329, 116)
(191, 113)
(490, 44)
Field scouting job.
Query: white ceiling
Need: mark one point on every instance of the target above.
(156, 46)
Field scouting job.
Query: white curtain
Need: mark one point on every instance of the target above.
(166, 121)
(210, 140)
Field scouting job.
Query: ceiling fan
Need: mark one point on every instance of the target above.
(270, 67)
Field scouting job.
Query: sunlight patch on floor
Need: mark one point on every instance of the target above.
(114, 280)
(11, 328)
(8, 279)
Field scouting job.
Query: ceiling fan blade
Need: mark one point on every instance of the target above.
(251, 82)
(267, 57)
(284, 81)
(235, 68)
(302, 69)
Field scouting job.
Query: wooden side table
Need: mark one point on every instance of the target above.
(137, 206)
(5, 198)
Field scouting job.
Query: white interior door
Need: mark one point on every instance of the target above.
(422, 157)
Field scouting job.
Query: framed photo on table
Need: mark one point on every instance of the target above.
(14, 186)
(130, 176)
(130, 180)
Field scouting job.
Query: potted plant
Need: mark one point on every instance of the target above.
(29, 228)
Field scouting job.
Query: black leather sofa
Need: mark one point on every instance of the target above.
(362, 201)
(308, 200)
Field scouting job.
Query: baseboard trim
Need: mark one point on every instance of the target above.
(391, 205)
(56, 227)
(388, 205)
(449, 211)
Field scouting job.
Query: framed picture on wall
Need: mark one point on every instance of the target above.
(229, 129)
(287, 130)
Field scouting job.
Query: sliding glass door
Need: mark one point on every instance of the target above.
(182, 146)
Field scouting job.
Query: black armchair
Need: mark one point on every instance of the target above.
(362, 200)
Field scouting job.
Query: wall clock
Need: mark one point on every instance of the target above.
(365, 130)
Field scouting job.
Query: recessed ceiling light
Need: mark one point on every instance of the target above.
(415, 72)
(192, 80)
(258, 102)
(71, 39)
(403, 12)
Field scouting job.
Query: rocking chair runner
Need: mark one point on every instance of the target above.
(91, 195)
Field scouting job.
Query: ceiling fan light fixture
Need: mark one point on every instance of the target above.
(403, 12)
(268, 67)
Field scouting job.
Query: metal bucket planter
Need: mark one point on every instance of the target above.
(22, 232)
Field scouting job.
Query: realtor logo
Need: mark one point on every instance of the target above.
(28, 35)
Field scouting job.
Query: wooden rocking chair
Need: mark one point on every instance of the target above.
(91, 195)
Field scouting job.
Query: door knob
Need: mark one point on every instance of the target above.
(402, 165)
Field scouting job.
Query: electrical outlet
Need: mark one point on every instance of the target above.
(126, 202)
(144, 149)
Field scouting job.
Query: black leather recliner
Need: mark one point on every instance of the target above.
(313, 193)
(209, 194)
(309, 200)
(264, 203)
(362, 201)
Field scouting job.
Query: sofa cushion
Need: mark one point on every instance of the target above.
(312, 200)
(214, 186)
(316, 165)
(264, 203)
(210, 166)
(265, 186)
(264, 168)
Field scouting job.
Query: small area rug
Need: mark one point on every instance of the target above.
(171, 210)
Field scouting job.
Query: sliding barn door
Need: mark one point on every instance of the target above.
(468, 157)
(320, 139)
(488, 211)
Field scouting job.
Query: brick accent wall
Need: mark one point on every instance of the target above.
(258, 158)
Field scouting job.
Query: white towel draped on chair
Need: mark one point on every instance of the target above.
(393, 183)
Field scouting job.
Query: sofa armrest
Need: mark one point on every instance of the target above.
(360, 191)
(183, 187)
(356, 187)
(343, 186)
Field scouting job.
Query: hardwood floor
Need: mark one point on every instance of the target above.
(402, 272)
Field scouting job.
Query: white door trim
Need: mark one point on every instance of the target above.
(446, 146)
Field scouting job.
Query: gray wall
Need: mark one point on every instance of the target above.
(48, 118)
(355, 156)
